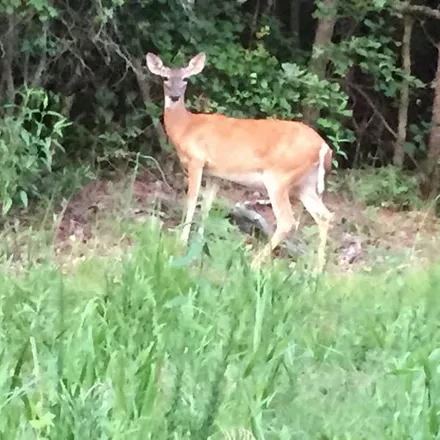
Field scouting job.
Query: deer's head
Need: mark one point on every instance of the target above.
(175, 80)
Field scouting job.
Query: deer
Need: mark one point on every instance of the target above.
(281, 156)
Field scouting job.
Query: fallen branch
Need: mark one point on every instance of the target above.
(248, 221)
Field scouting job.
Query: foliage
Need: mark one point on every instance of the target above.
(374, 57)
(90, 56)
(419, 138)
(30, 138)
(387, 187)
(140, 348)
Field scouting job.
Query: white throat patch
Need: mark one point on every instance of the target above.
(168, 102)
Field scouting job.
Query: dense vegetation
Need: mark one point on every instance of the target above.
(144, 349)
(73, 82)
(120, 334)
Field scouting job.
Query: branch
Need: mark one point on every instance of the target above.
(372, 105)
(36, 81)
(145, 91)
(419, 9)
(136, 66)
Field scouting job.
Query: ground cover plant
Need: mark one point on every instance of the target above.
(109, 329)
(148, 344)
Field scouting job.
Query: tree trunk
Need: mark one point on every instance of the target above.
(318, 65)
(144, 87)
(7, 86)
(399, 146)
(254, 23)
(270, 6)
(294, 23)
(434, 138)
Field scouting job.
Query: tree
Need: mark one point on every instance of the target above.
(399, 146)
(433, 155)
(319, 59)
(434, 138)
(85, 61)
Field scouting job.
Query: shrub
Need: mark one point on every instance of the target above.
(30, 136)
(387, 187)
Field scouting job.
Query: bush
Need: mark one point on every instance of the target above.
(387, 187)
(30, 135)
(142, 348)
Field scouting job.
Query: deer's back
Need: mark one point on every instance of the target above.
(250, 144)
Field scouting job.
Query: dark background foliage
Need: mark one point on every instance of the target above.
(74, 87)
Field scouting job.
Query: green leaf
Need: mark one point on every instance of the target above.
(24, 134)
(194, 251)
(7, 203)
(24, 198)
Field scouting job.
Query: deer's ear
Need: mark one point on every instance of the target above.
(155, 64)
(196, 64)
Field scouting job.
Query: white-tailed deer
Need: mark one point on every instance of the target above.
(278, 155)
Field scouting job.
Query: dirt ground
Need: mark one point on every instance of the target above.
(359, 236)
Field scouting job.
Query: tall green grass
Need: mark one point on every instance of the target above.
(156, 348)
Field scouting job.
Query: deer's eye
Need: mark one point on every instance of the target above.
(185, 79)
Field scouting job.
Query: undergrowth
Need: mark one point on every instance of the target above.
(156, 347)
(386, 187)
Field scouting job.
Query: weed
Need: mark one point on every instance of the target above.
(386, 187)
(143, 348)
(30, 141)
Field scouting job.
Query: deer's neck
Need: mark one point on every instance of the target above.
(177, 119)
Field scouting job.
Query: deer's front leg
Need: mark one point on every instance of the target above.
(195, 172)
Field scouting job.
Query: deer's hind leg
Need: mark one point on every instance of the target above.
(323, 218)
(278, 191)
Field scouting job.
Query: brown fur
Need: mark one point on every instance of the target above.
(243, 145)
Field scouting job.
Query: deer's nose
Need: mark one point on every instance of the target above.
(174, 98)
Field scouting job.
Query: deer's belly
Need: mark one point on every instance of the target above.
(251, 179)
